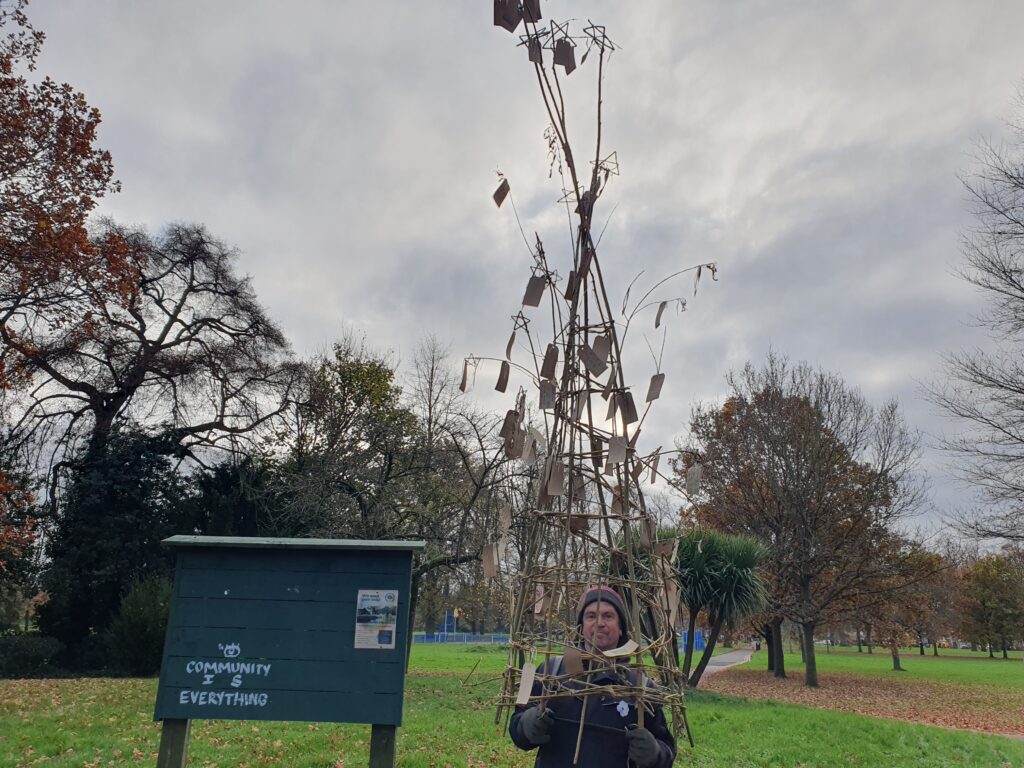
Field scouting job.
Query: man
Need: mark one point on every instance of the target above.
(611, 732)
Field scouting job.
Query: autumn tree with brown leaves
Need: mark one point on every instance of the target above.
(905, 605)
(51, 175)
(993, 603)
(800, 461)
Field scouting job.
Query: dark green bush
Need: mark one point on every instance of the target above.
(135, 639)
(26, 654)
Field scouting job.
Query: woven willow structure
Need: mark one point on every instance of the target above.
(584, 520)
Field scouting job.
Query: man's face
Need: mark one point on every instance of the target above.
(601, 627)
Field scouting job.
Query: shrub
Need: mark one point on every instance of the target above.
(25, 654)
(135, 639)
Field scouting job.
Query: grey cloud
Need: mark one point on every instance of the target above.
(349, 149)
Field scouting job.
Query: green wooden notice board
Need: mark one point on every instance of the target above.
(287, 629)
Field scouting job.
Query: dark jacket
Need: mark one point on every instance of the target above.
(600, 746)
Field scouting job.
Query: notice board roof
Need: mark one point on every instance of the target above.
(261, 542)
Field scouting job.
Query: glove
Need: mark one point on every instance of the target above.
(534, 725)
(643, 748)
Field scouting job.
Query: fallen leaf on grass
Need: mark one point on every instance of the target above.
(978, 708)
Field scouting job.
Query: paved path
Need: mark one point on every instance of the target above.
(728, 659)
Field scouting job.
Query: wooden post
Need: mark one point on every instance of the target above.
(173, 744)
(382, 746)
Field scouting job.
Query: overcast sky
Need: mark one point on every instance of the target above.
(349, 150)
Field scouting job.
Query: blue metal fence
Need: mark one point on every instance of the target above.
(460, 637)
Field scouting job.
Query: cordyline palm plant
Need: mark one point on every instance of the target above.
(717, 574)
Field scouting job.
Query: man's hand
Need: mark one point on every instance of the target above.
(643, 748)
(535, 726)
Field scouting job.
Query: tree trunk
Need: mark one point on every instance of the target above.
(691, 626)
(811, 680)
(709, 651)
(868, 639)
(803, 650)
(991, 653)
(1005, 654)
(860, 646)
(920, 643)
(780, 659)
(769, 644)
(935, 649)
(895, 650)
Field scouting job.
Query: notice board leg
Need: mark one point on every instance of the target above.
(173, 744)
(382, 746)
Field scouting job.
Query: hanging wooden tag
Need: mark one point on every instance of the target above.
(556, 482)
(509, 425)
(530, 451)
(693, 476)
(594, 364)
(502, 384)
(578, 524)
(627, 407)
(654, 389)
(565, 55)
(534, 291)
(572, 661)
(534, 51)
(661, 309)
(613, 407)
(570, 287)
(617, 449)
(654, 464)
(539, 599)
(627, 649)
(550, 364)
(581, 403)
(490, 560)
(526, 683)
(610, 385)
(502, 191)
(547, 395)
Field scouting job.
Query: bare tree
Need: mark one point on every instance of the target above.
(366, 458)
(188, 353)
(984, 390)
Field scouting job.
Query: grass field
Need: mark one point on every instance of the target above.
(958, 653)
(948, 669)
(104, 722)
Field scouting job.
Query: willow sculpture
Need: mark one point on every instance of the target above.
(585, 521)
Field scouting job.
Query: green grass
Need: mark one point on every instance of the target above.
(965, 653)
(94, 722)
(998, 672)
